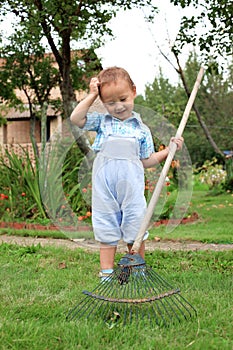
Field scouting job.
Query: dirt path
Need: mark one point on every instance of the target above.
(91, 245)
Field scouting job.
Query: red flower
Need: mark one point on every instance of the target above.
(3, 196)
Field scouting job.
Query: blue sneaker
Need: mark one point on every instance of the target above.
(105, 274)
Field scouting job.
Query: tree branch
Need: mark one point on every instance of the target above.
(47, 32)
(199, 118)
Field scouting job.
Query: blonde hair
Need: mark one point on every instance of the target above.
(112, 74)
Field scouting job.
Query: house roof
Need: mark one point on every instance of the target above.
(13, 113)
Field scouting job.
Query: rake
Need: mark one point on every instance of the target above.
(134, 291)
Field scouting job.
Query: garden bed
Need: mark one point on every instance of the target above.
(39, 227)
(82, 227)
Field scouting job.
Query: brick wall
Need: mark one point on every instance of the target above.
(19, 150)
(19, 131)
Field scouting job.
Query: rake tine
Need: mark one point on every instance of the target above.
(156, 318)
(85, 305)
(92, 307)
(167, 306)
(159, 307)
(140, 292)
(170, 311)
(108, 310)
(147, 283)
(125, 315)
(177, 308)
(176, 296)
(184, 305)
(159, 310)
(72, 314)
(87, 309)
(162, 282)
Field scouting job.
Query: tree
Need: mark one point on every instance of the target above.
(165, 99)
(212, 104)
(217, 108)
(198, 114)
(214, 17)
(64, 23)
(26, 68)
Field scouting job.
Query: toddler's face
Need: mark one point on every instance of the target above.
(118, 98)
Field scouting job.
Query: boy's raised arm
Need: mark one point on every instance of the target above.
(78, 116)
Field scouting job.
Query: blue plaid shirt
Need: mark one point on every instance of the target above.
(131, 127)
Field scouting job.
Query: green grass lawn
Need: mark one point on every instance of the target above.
(39, 286)
(215, 224)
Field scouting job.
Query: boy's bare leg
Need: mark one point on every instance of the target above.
(141, 250)
(107, 255)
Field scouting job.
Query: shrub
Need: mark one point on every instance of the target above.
(228, 185)
(46, 188)
(212, 174)
(19, 183)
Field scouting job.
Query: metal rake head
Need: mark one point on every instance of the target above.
(134, 292)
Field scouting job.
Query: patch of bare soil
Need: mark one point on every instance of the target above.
(91, 245)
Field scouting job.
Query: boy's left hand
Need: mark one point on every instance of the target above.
(178, 141)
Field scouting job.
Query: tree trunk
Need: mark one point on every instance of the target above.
(63, 60)
(68, 104)
(68, 95)
(199, 118)
(32, 131)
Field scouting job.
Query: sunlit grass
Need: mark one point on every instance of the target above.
(215, 223)
(39, 286)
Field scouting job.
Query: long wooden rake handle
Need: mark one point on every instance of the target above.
(167, 164)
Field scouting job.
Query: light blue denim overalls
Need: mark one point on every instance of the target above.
(118, 201)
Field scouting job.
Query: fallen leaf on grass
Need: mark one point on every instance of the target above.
(62, 265)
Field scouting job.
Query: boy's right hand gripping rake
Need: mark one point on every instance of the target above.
(134, 291)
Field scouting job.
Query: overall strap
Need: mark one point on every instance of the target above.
(108, 125)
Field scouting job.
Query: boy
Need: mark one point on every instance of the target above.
(124, 147)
